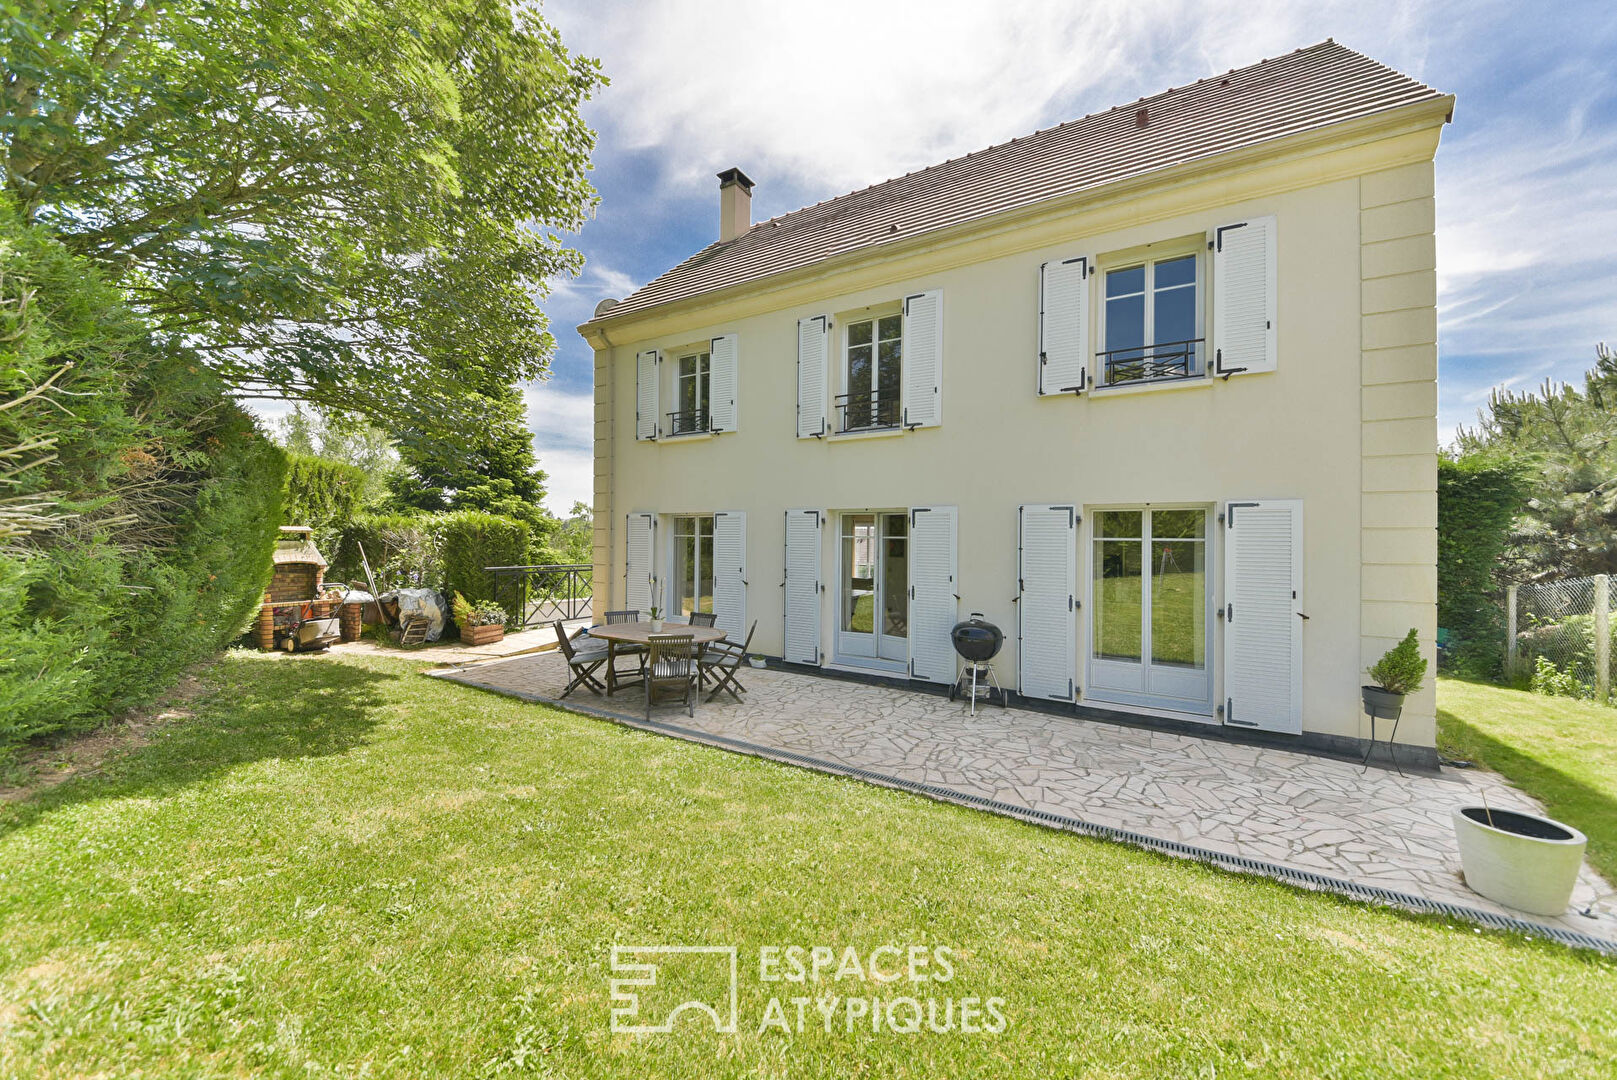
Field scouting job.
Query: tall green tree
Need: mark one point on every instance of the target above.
(489, 466)
(352, 202)
(1567, 439)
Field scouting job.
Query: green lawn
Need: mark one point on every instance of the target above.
(1560, 750)
(340, 868)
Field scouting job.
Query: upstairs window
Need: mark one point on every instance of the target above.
(874, 376)
(691, 395)
(1151, 322)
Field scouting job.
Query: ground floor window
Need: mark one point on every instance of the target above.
(693, 564)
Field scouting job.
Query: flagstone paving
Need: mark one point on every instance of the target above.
(1297, 810)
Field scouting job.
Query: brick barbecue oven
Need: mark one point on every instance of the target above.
(294, 589)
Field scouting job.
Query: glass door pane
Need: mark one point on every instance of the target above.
(893, 642)
(1118, 585)
(1179, 588)
(856, 611)
(704, 564)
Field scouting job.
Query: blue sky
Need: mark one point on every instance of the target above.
(816, 99)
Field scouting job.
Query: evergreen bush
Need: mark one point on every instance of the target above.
(471, 542)
(152, 499)
(1402, 669)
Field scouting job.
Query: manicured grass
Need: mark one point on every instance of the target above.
(339, 867)
(1561, 751)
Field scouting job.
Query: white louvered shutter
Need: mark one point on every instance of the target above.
(1263, 632)
(1047, 587)
(645, 394)
(922, 365)
(1064, 326)
(934, 607)
(721, 409)
(637, 568)
(813, 346)
(802, 642)
(730, 573)
(1244, 297)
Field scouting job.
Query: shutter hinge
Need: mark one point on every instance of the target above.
(1229, 612)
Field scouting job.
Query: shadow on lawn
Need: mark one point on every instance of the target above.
(1565, 798)
(256, 709)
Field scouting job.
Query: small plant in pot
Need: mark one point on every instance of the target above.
(481, 623)
(656, 612)
(1396, 675)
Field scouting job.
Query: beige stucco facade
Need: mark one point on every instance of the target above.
(1346, 423)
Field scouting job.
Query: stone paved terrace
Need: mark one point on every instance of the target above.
(1298, 811)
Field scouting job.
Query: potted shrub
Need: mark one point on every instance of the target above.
(482, 623)
(656, 611)
(1396, 675)
(1520, 860)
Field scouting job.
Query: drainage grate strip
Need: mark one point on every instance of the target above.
(1372, 894)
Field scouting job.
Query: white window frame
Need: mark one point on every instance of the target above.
(1149, 262)
(874, 317)
(702, 376)
(675, 598)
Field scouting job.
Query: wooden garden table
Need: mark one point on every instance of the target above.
(639, 633)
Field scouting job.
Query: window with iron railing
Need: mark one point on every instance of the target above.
(1151, 323)
(691, 393)
(867, 412)
(874, 374)
(689, 423)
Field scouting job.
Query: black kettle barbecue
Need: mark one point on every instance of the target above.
(977, 641)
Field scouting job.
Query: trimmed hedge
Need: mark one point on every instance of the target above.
(1478, 497)
(471, 542)
(403, 550)
(166, 495)
(322, 494)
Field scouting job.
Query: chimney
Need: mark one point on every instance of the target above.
(735, 204)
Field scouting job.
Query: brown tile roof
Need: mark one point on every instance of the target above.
(1310, 88)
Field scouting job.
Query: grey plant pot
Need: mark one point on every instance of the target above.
(1382, 704)
(1521, 860)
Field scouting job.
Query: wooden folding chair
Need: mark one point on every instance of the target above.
(582, 664)
(672, 663)
(635, 653)
(722, 662)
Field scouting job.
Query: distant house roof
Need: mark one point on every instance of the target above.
(1311, 88)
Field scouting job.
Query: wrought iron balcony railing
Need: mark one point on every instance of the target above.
(689, 422)
(540, 594)
(867, 412)
(1152, 363)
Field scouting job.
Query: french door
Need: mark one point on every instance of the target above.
(1150, 626)
(873, 578)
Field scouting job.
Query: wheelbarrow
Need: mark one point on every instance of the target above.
(316, 632)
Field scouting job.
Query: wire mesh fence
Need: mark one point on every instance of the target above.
(1560, 635)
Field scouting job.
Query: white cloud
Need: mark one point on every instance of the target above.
(562, 423)
(838, 93)
(587, 289)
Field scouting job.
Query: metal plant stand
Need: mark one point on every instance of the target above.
(1365, 764)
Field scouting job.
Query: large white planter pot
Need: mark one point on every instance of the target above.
(1522, 860)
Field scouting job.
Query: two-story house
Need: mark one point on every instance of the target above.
(1154, 390)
